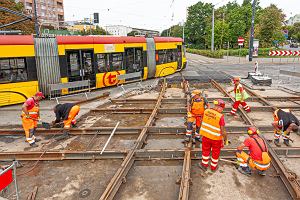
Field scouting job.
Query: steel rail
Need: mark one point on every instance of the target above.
(119, 176)
(153, 130)
(288, 178)
(182, 100)
(141, 154)
(180, 110)
(187, 162)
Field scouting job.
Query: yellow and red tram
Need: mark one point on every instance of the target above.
(94, 58)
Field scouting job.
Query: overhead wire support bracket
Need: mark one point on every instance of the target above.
(25, 17)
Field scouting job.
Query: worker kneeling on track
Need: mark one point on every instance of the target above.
(213, 135)
(240, 96)
(195, 113)
(284, 123)
(30, 117)
(66, 112)
(258, 159)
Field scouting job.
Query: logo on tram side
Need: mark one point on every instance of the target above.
(110, 78)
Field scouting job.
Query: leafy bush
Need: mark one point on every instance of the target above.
(207, 53)
(262, 52)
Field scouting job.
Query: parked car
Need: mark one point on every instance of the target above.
(294, 45)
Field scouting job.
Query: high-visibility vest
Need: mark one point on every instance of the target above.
(198, 106)
(210, 126)
(33, 112)
(238, 93)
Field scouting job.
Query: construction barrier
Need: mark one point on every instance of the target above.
(7, 176)
(284, 53)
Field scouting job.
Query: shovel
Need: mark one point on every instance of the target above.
(45, 125)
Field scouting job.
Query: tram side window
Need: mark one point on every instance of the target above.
(103, 63)
(13, 70)
(117, 61)
(166, 56)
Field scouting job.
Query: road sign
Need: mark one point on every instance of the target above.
(284, 53)
(241, 41)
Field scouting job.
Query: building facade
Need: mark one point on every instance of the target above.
(293, 20)
(121, 30)
(49, 12)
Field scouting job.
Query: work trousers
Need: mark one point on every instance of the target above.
(190, 121)
(236, 105)
(29, 126)
(245, 160)
(278, 134)
(71, 118)
(213, 146)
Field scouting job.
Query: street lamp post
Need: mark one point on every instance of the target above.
(252, 32)
(36, 25)
(213, 30)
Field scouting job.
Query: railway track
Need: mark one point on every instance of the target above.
(141, 137)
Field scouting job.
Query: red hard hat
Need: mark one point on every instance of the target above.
(219, 102)
(252, 130)
(40, 94)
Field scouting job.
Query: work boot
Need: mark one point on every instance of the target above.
(245, 170)
(33, 145)
(262, 172)
(248, 111)
(187, 139)
(286, 142)
(276, 142)
(202, 167)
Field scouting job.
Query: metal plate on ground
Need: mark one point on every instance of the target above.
(84, 193)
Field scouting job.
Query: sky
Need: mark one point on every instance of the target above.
(151, 14)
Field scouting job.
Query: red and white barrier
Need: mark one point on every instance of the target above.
(284, 53)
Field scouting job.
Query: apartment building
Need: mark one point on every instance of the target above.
(50, 12)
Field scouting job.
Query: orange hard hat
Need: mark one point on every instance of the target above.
(235, 79)
(252, 130)
(219, 102)
(196, 92)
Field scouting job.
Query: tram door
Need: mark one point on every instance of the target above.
(81, 66)
(134, 60)
(179, 56)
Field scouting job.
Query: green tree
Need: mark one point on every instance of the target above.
(294, 32)
(132, 33)
(270, 26)
(196, 24)
(97, 31)
(173, 31)
(5, 17)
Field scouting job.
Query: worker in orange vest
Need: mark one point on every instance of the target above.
(213, 134)
(284, 123)
(30, 117)
(240, 96)
(196, 109)
(66, 112)
(258, 159)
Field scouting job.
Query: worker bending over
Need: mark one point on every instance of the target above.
(284, 123)
(30, 117)
(66, 112)
(258, 159)
(213, 134)
(196, 108)
(240, 96)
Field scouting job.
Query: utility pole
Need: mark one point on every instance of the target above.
(252, 31)
(36, 23)
(183, 31)
(213, 30)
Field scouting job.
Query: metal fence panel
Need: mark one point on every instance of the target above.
(151, 62)
(129, 76)
(47, 63)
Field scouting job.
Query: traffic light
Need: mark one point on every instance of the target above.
(96, 18)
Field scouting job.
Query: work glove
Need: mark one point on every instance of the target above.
(189, 114)
(28, 117)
